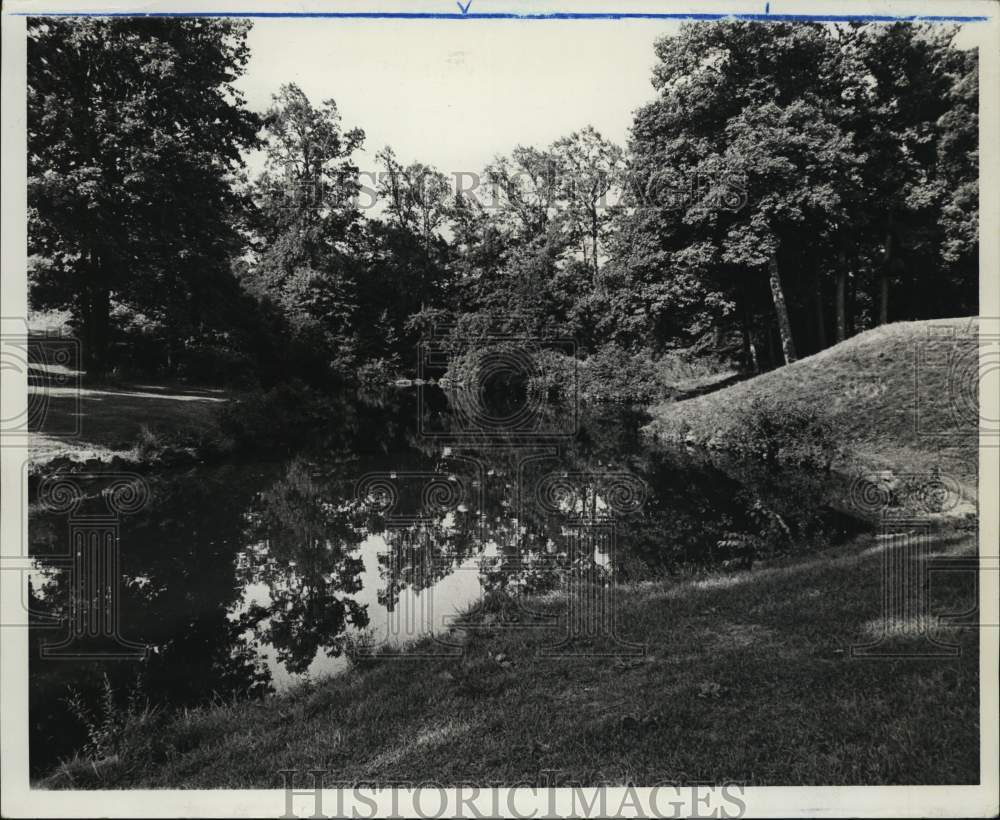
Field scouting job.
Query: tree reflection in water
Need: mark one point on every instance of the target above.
(303, 548)
(227, 565)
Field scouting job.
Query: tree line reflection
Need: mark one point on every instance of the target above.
(225, 563)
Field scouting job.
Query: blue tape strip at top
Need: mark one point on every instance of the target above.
(557, 15)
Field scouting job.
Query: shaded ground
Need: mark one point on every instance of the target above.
(692, 388)
(746, 677)
(103, 422)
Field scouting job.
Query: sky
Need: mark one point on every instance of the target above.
(454, 95)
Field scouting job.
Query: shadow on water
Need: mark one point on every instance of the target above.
(245, 578)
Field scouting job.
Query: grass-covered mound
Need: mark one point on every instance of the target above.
(901, 396)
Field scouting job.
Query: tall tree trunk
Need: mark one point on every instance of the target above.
(883, 279)
(841, 297)
(852, 305)
(98, 323)
(96, 316)
(781, 310)
(754, 358)
(819, 309)
(594, 227)
(749, 348)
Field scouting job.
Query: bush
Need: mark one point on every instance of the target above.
(677, 366)
(775, 430)
(556, 376)
(615, 373)
(121, 736)
(610, 374)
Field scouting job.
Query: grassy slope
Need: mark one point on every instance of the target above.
(747, 677)
(869, 383)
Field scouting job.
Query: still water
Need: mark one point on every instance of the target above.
(240, 580)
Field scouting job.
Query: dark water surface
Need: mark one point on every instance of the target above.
(239, 580)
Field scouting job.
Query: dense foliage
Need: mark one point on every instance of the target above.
(826, 170)
(786, 187)
(135, 140)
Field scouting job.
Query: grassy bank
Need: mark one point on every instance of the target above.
(898, 397)
(745, 677)
(123, 423)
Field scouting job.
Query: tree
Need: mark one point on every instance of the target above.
(957, 175)
(587, 166)
(308, 227)
(751, 105)
(135, 134)
(417, 195)
(796, 161)
(853, 153)
(524, 191)
(405, 256)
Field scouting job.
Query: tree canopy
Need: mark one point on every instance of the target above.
(136, 137)
(786, 186)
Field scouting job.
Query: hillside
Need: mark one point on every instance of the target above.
(901, 396)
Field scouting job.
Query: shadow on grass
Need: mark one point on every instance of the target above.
(111, 420)
(748, 678)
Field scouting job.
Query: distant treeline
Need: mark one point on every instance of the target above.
(786, 186)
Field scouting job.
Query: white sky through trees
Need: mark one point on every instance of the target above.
(454, 94)
(459, 92)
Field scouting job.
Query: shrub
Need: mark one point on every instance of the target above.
(556, 376)
(610, 374)
(615, 373)
(674, 367)
(775, 430)
(123, 733)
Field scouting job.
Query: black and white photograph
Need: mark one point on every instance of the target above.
(500, 409)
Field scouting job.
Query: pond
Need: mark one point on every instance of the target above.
(238, 580)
